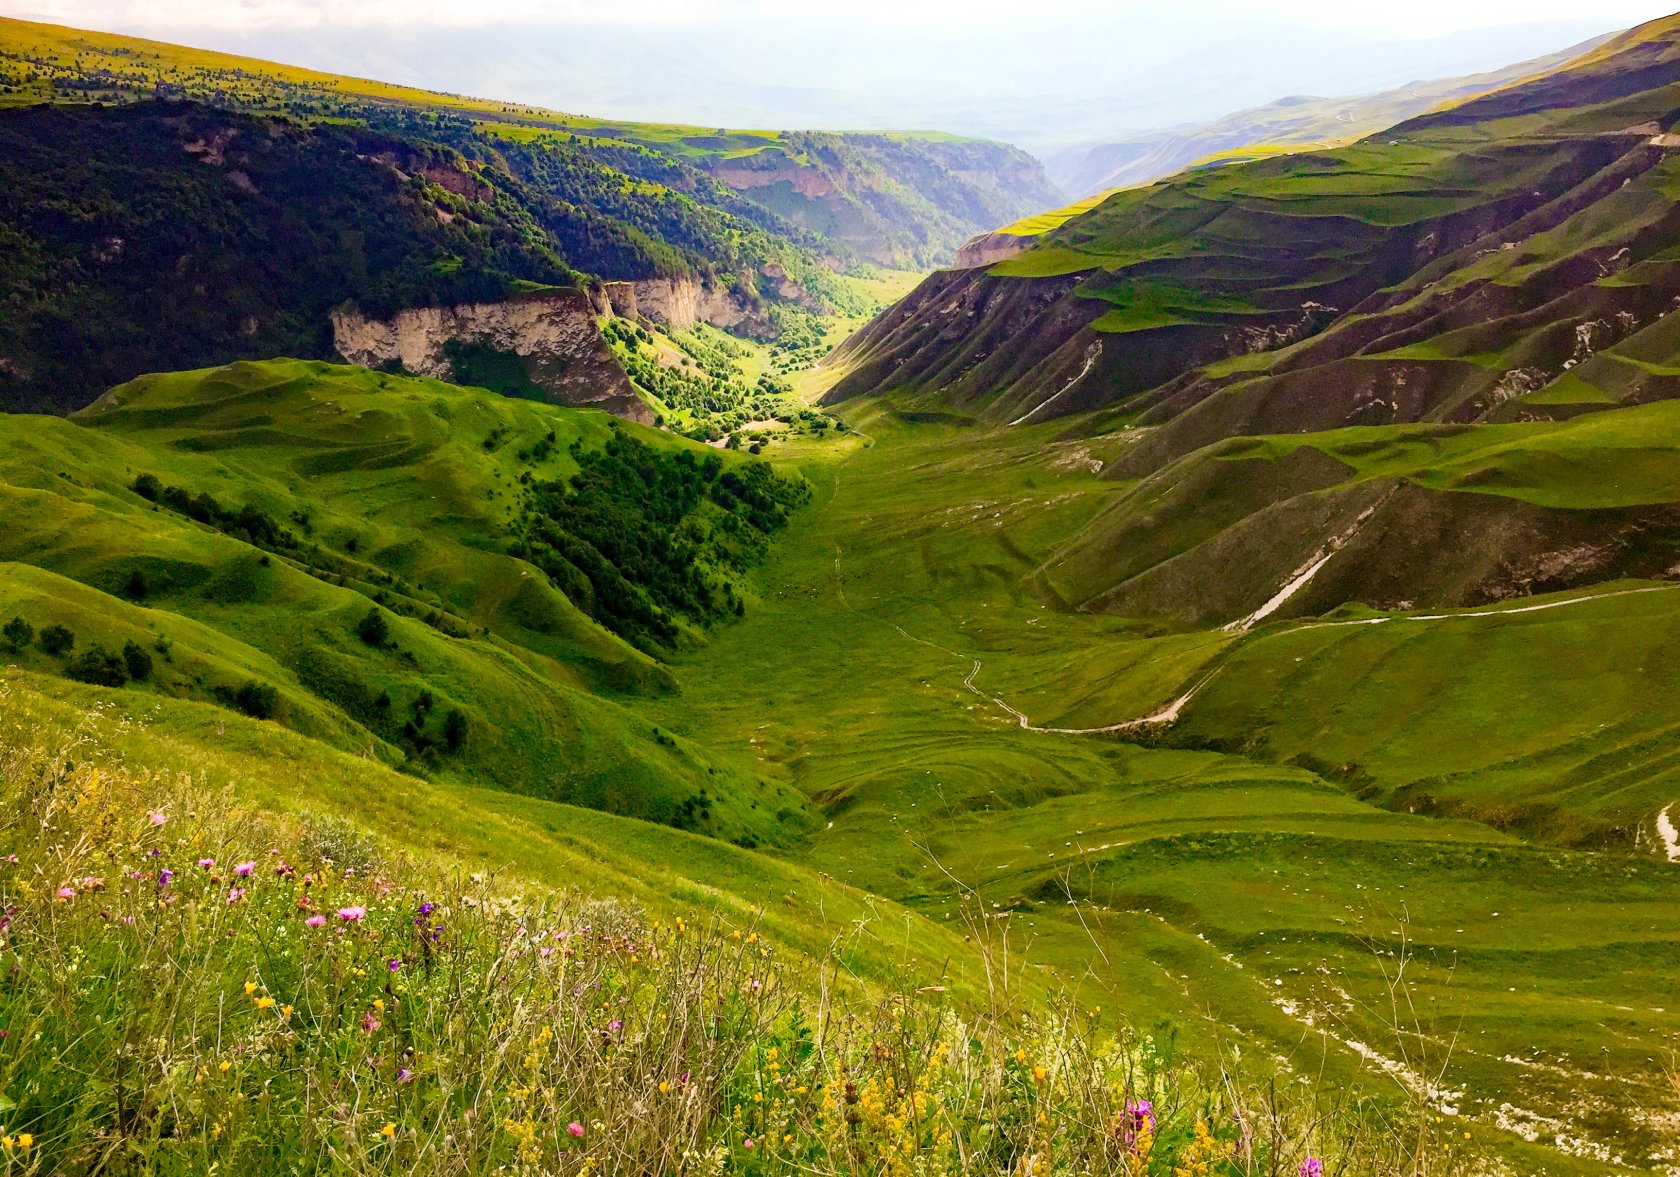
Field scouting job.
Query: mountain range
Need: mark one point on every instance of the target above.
(1187, 690)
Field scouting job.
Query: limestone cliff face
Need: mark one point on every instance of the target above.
(553, 335)
(680, 303)
(988, 249)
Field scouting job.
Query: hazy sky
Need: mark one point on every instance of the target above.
(1418, 18)
(1040, 75)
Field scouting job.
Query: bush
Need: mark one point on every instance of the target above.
(137, 662)
(99, 667)
(455, 729)
(257, 699)
(374, 629)
(57, 641)
(19, 634)
(135, 589)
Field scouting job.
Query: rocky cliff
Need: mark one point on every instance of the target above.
(545, 344)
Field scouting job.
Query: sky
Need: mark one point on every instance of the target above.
(1043, 77)
(1416, 18)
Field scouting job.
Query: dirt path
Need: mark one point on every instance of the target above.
(1092, 354)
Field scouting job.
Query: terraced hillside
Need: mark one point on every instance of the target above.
(901, 200)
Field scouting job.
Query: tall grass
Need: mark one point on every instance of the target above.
(187, 987)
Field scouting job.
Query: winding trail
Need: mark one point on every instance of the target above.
(1092, 354)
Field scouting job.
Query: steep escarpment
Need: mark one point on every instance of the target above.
(546, 344)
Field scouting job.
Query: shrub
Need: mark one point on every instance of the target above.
(455, 729)
(374, 629)
(137, 662)
(135, 589)
(257, 699)
(19, 634)
(57, 641)
(98, 666)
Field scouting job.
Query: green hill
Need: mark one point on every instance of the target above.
(904, 200)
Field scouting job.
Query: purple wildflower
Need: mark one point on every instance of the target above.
(164, 876)
(1312, 1167)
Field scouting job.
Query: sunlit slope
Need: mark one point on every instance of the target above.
(1434, 272)
(1253, 866)
(396, 493)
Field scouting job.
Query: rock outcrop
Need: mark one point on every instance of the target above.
(988, 249)
(553, 336)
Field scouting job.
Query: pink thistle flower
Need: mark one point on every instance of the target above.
(245, 868)
(235, 895)
(352, 914)
(206, 863)
(157, 817)
(575, 1128)
(316, 920)
(369, 1022)
(66, 894)
(404, 1075)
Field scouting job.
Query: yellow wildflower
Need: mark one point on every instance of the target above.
(388, 1131)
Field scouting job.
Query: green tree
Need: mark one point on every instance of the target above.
(137, 661)
(257, 699)
(455, 729)
(98, 666)
(374, 629)
(57, 641)
(19, 634)
(135, 589)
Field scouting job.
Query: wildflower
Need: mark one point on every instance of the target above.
(388, 1131)
(244, 868)
(264, 1002)
(66, 894)
(285, 1011)
(250, 988)
(316, 920)
(157, 817)
(1137, 1122)
(1312, 1167)
(427, 908)
(1039, 1074)
(284, 870)
(369, 1022)
(404, 1075)
(164, 876)
(93, 883)
(351, 915)
(206, 863)
(615, 1026)
(25, 1140)
(235, 895)
(394, 963)
(224, 1066)
(575, 1128)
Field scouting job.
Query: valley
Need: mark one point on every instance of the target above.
(1191, 688)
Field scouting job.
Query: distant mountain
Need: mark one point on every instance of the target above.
(1087, 169)
(900, 199)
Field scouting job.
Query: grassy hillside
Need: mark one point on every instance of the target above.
(899, 200)
(1508, 244)
(242, 525)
